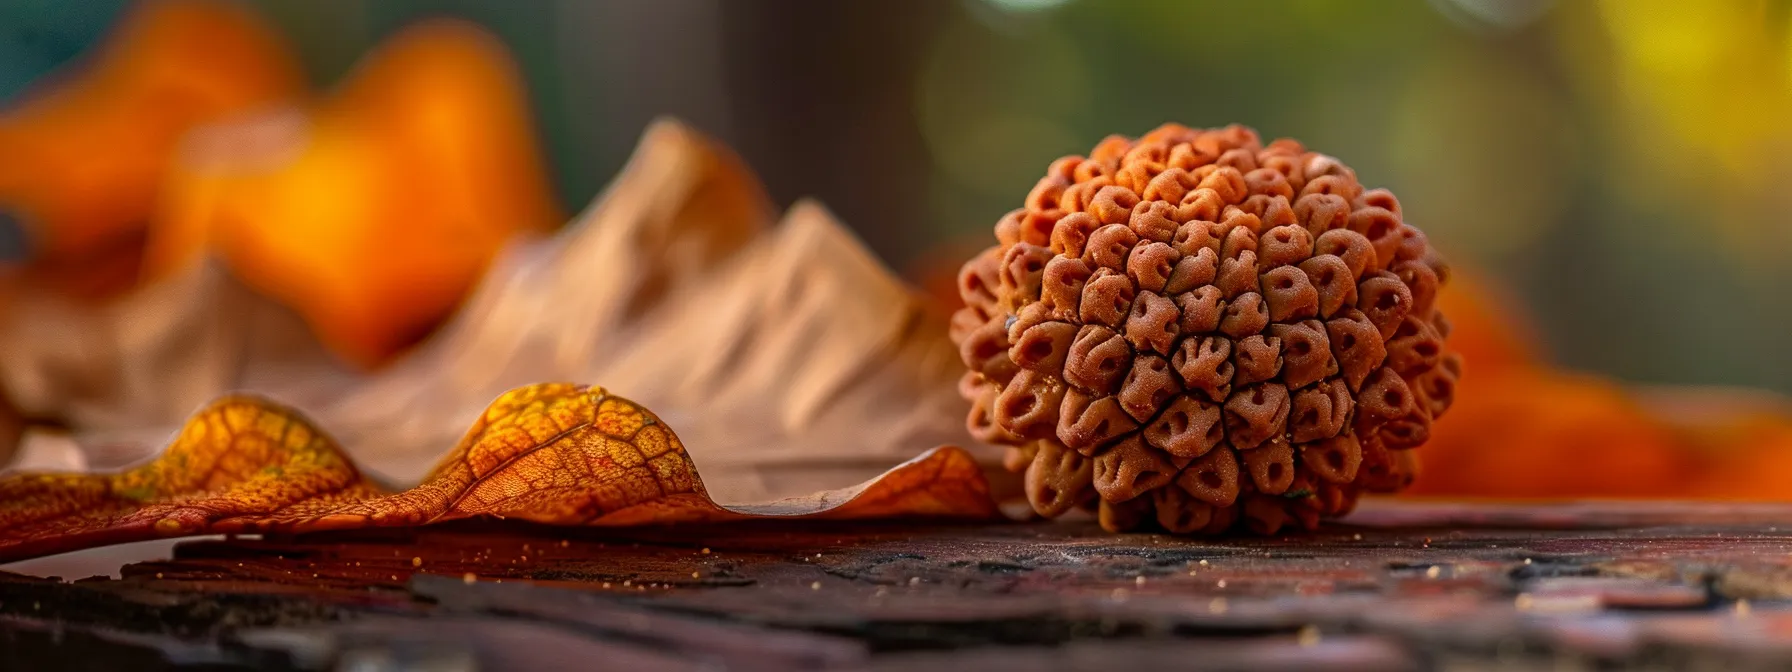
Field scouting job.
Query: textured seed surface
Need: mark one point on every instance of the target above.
(1197, 331)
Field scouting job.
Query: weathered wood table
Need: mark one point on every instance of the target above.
(1401, 585)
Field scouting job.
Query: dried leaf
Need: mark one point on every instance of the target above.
(1487, 325)
(1520, 428)
(84, 151)
(334, 207)
(788, 356)
(1550, 434)
(548, 453)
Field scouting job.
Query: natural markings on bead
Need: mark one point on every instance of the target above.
(1208, 300)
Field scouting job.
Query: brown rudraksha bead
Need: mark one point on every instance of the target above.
(1197, 331)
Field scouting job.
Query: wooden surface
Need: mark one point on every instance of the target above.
(1400, 586)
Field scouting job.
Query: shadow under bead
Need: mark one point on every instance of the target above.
(1201, 333)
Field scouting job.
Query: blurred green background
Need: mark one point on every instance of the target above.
(1620, 166)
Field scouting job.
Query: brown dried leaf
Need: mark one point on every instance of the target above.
(790, 359)
(549, 453)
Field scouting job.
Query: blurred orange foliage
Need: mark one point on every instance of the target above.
(1541, 433)
(374, 211)
(1521, 428)
(552, 453)
(85, 154)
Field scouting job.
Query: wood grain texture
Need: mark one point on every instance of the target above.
(1401, 585)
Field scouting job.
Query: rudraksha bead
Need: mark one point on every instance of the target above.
(1200, 332)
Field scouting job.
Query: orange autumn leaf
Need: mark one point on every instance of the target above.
(550, 453)
(85, 148)
(85, 151)
(1549, 434)
(373, 211)
(684, 253)
(1487, 328)
(1520, 428)
(1741, 439)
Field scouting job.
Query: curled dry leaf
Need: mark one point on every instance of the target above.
(789, 358)
(787, 355)
(548, 453)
